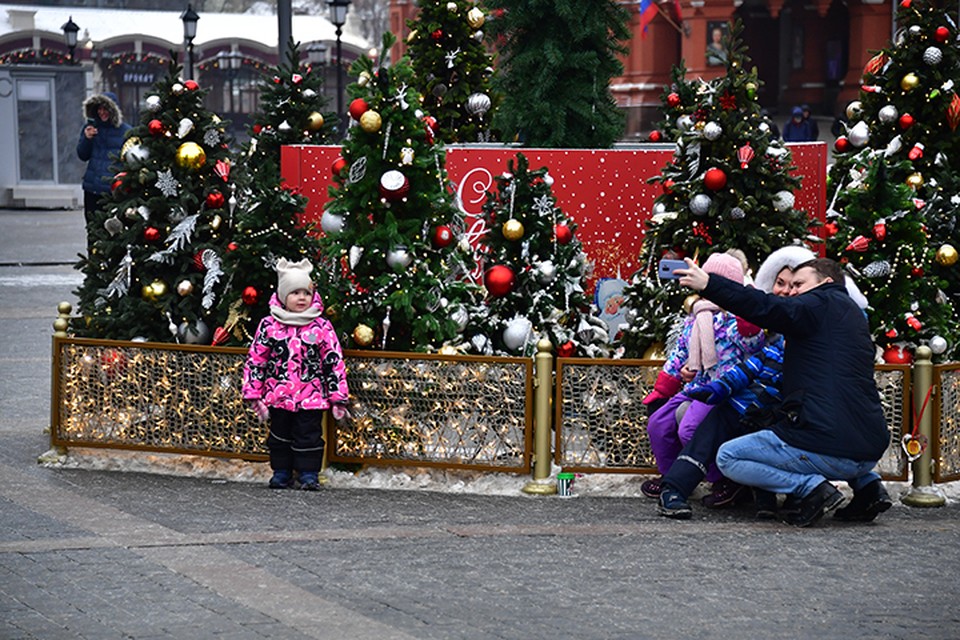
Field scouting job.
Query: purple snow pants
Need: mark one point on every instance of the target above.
(667, 437)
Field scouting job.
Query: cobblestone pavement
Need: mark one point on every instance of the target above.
(104, 555)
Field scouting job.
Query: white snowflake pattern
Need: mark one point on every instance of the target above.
(543, 205)
(167, 184)
(211, 138)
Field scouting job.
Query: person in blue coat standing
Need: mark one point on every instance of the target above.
(100, 142)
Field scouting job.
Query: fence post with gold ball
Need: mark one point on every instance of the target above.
(543, 395)
(922, 492)
(60, 326)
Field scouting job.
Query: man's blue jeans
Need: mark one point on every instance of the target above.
(765, 461)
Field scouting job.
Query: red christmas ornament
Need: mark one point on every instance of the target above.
(155, 127)
(941, 34)
(222, 169)
(895, 354)
(905, 4)
(880, 230)
(296, 78)
(442, 236)
(566, 350)
(673, 99)
(917, 272)
(436, 35)
(906, 121)
(233, 246)
(655, 136)
(668, 186)
(276, 80)
(151, 234)
(214, 200)
(220, 336)
(499, 280)
(875, 64)
(430, 123)
(394, 185)
(249, 296)
(358, 107)
(953, 113)
(113, 362)
(198, 260)
(338, 166)
(917, 152)
(191, 85)
(745, 154)
(830, 228)
(118, 180)
(563, 233)
(913, 322)
(715, 179)
(892, 333)
(841, 144)
(257, 128)
(860, 243)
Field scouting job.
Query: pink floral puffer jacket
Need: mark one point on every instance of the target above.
(292, 367)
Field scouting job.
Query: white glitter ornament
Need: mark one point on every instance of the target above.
(546, 272)
(783, 200)
(932, 56)
(700, 204)
(331, 223)
(184, 128)
(517, 333)
(888, 114)
(712, 131)
(877, 269)
(399, 257)
(737, 213)
(152, 103)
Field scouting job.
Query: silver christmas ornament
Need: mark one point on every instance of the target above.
(783, 200)
(888, 114)
(198, 333)
(712, 131)
(700, 204)
(517, 333)
(938, 344)
(478, 103)
(859, 135)
(152, 103)
(932, 56)
(331, 223)
(877, 269)
(399, 257)
(737, 213)
(113, 225)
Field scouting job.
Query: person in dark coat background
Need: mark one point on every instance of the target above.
(832, 425)
(100, 142)
(797, 128)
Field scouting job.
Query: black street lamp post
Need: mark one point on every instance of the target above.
(190, 18)
(338, 16)
(70, 31)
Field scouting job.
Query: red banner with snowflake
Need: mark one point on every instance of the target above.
(604, 190)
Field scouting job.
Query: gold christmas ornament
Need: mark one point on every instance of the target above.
(410, 38)
(512, 230)
(370, 121)
(185, 288)
(363, 335)
(947, 255)
(191, 156)
(475, 18)
(909, 82)
(315, 121)
(159, 288)
(915, 180)
(655, 351)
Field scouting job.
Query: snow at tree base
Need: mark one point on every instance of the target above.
(395, 261)
(155, 270)
(727, 187)
(268, 218)
(894, 188)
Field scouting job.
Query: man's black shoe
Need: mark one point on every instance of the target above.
(822, 500)
(866, 505)
(766, 503)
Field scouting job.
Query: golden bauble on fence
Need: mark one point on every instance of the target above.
(947, 255)
(315, 121)
(512, 230)
(191, 156)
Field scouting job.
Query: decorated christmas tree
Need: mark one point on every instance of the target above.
(727, 187)
(395, 261)
(535, 272)
(556, 61)
(908, 112)
(678, 99)
(453, 69)
(268, 221)
(883, 245)
(155, 271)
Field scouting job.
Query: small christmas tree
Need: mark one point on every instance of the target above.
(557, 58)
(535, 272)
(395, 262)
(268, 216)
(728, 186)
(155, 269)
(883, 244)
(453, 69)
(909, 110)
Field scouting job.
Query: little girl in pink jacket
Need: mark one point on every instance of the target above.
(293, 373)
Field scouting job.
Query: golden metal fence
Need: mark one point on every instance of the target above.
(946, 442)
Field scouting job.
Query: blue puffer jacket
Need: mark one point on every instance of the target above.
(100, 151)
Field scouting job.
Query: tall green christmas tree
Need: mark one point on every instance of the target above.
(156, 266)
(908, 110)
(883, 244)
(556, 61)
(535, 272)
(727, 187)
(453, 69)
(396, 266)
(268, 221)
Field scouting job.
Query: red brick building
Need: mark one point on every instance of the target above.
(805, 52)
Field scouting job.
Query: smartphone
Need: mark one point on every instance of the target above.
(667, 267)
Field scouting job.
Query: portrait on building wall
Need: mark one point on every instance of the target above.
(716, 52)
